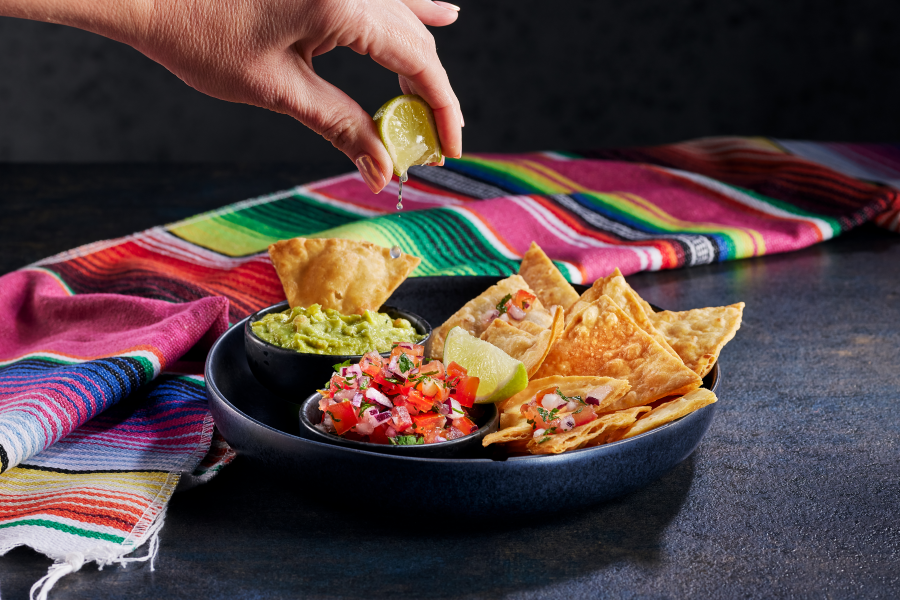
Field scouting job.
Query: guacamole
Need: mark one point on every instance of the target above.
(327, 331)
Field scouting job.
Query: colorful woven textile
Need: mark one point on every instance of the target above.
(101, 408)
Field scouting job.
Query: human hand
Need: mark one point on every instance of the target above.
(260, 52)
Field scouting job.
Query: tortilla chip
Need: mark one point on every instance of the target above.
(583, 435)
(602, 340)
(511, 417)
(519, 431)
(625, 298)
(545, 279)
(614, 432)
(699, 335)
(471, 317)
(522, 345)
(345, 275)
(670, 411)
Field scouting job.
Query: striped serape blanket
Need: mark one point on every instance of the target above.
(102, 405)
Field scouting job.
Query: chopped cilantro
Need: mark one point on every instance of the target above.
(547, 415)
(333, 418)
(547, 435)
(404, 363)
(363, 407)
(456, 410)
(338, 366)
(567, 398)
(407, 440)
(501, 306)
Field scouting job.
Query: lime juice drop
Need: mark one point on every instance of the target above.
(396, 252)
(403, 178)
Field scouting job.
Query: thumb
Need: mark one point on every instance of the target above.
(335, 116)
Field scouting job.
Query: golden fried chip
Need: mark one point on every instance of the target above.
(583, 435)
(603, 341)
(606, 390)
(614, 432)
(671, 411)
(345, 275)
(515, 339)
(699, 335)
(545, 279)
(519, 431)
(473, 317)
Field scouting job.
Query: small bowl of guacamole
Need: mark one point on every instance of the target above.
(292, 351)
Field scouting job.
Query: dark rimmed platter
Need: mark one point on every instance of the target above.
(265, 429)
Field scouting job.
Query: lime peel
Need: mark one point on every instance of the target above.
(500, 375)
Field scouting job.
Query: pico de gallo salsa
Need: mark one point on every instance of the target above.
(399, 400)
(551, 412)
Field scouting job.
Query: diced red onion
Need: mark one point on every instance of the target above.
(539, 432)
(456, 409)
(490, 316)
(390, 431)
(382, 417)
(352, 371)
(344, 395)
(504, 317)
(571, 405)
(515, 312)
(567, 423)
(406, 345)
(373, 394)
(444, 408)
(551, 401)
(369, 412)
(328, 423)
(357, 399)
(364, 428)
(597, 395)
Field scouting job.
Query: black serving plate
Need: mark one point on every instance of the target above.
(486, 416)
(266, 429)
(292, 374)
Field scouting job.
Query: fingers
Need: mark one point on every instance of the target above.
(436, 14)
(403, 45)
(331, 113)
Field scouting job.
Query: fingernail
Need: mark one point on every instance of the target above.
(370, 172)
(462, 120)
(447, 5)
(441, 164)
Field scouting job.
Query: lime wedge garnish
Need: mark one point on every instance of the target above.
(501, 375)
(407, 130)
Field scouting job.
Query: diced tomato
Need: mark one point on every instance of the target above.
(455, 370)
(424, 422)
(465, 425)
(422, 403)
(371, 364)
(434, 435)
(379, 436)
(532, 413)
(466, 390)
(453, 433)
(434, 368)
(585, 416)
(523, 300)
(388, 388)
(400, 419)
(343, 415)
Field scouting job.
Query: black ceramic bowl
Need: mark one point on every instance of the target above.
(292, 374)
(487, 420)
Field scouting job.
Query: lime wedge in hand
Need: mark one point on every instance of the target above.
(501, 375)
(407, 130)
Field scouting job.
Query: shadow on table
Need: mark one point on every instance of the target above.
(273, 540)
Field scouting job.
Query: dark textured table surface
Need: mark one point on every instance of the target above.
(794, 491)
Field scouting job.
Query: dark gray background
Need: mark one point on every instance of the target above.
(549, 74)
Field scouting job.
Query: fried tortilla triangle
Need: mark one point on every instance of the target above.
(602, 340)
(345, 275)
(545, 279)
(519, 339)
(699, 335)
